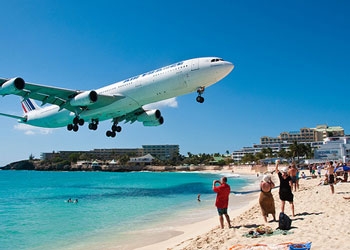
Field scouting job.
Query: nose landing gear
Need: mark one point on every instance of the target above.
(200, 91)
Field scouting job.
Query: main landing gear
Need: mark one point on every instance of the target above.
(115, 128)
(75, 125)
(200, 91)
(93, 125)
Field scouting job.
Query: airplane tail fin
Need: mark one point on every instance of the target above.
(29, 105)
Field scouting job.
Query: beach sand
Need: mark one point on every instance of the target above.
(321, 218)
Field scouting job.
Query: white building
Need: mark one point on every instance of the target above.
(334, 148)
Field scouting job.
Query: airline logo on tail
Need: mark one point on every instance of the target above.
(28, 105)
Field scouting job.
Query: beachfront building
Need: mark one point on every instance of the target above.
(334, 148)
(237, 155)
(162, 152)
(314, 137)
(304, 135)
(143, 160)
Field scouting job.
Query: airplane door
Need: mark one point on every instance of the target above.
(195, 64)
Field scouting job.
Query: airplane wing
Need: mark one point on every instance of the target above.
(73, 100)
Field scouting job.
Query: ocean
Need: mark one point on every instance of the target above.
(112, 208)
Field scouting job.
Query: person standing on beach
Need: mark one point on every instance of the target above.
(292, 172)
(266, 201)
(330, 172)
(285, 191)
(222, 196)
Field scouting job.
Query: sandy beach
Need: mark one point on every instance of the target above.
(321, 218)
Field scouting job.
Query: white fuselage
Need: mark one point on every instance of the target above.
(161, 84)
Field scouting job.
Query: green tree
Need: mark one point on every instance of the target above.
(282, 153)
(260, 156)
(73, 157)
(31, 157)
(124, 159)
(248, 158)
(300, 150)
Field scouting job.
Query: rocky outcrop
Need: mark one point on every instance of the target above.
(20, 165)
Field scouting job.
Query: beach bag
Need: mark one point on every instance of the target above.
(284, 222)
(305, 246)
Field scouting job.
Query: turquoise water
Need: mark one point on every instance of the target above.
(35, 214)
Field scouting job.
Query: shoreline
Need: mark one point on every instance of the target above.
(173, 226)
(320, 219)
(191, 231)
(172, 234)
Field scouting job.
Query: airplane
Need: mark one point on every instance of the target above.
(120, 101)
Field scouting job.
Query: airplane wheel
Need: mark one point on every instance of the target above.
(92, 126)
(118, 129)
(81, 122)
(114, 127)
(75, 120)
(75, 127)
(108, 133)
(69, 127)
(113, 134)
(200, 99)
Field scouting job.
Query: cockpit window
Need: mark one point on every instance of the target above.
(216, 60)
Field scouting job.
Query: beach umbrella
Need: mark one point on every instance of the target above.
(342, 168)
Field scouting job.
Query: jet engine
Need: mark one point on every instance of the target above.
(151, 118)
(12, 86)
(84, 99)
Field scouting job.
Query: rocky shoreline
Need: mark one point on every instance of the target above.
(39, 166)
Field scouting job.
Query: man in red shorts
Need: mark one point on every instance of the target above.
(222, 196)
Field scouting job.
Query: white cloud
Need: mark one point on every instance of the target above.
(31, 130)
(172, 103)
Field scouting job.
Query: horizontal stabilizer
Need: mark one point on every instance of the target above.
(22, 118)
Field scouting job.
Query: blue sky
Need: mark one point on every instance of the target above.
(291, 67)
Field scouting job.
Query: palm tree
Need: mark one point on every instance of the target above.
(298, 150)
(282, 153)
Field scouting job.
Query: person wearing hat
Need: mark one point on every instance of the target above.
(266, 201)
(285, 191)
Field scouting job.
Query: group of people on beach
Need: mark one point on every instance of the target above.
(289, 182)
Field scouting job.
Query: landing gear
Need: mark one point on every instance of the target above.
(115, 128)
(79, 121)
(200, 91)
(200, 99)
(93, 125)
(111, 133)
(75, 125)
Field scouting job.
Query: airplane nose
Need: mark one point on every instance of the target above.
(226, 68)
(229, 66)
